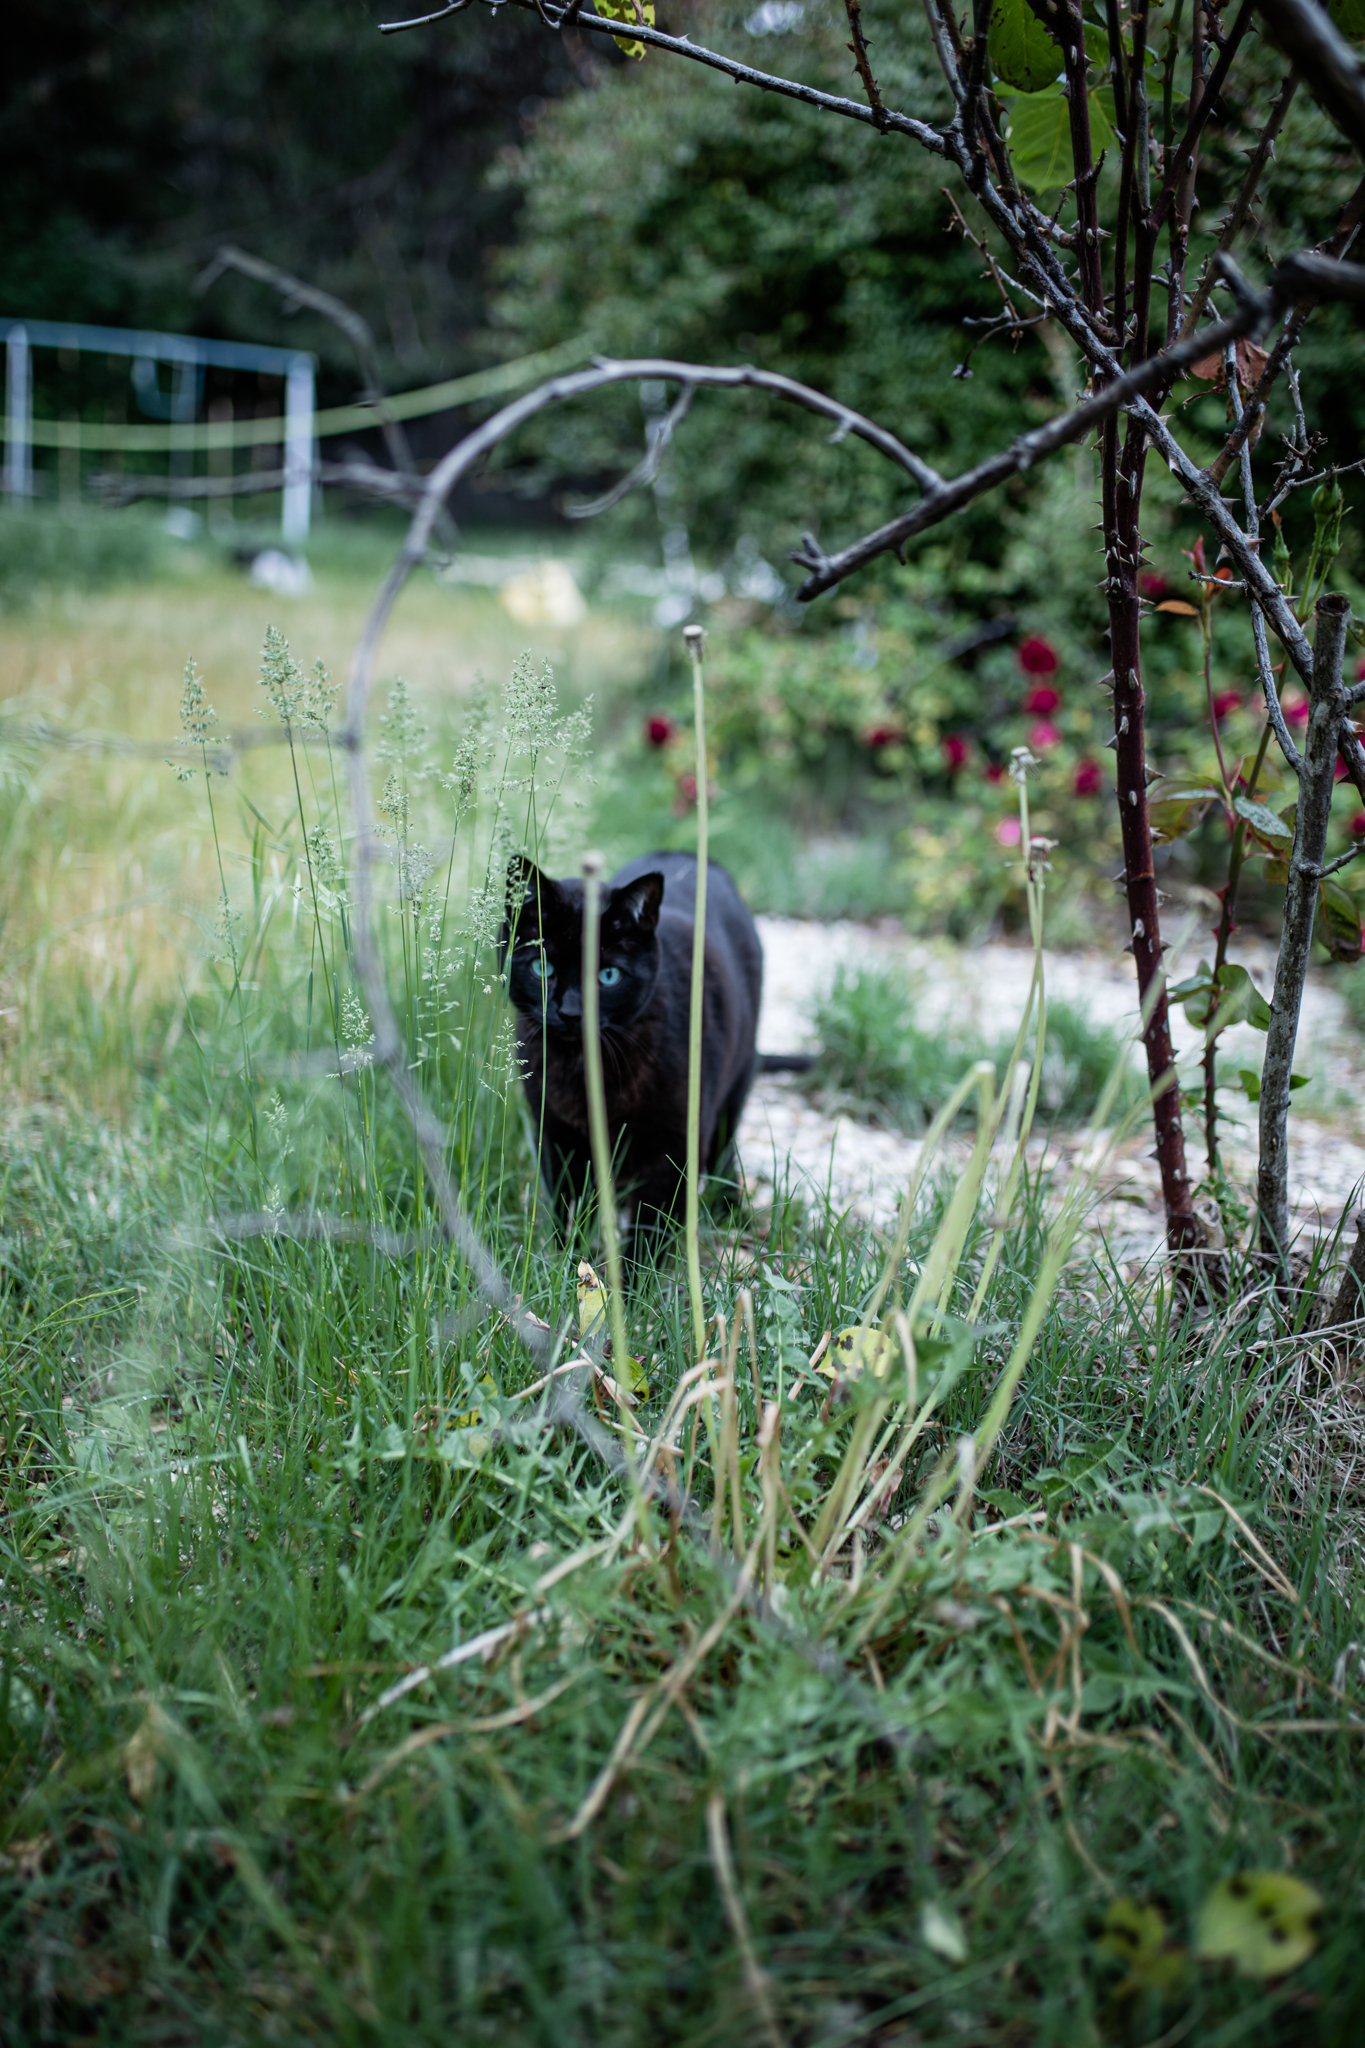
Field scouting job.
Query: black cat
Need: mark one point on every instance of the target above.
(644, 994)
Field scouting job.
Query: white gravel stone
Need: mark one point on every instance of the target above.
(785, 1138)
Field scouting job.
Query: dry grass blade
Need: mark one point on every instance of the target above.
(755, 1977)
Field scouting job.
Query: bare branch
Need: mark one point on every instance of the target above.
(863, 62)
(119, 487)
(310, 1227)
(1311, 818)
(1242, 204)
(1330, 68)
(743, 74)
(660, 433)
(1202, 101)
(353, 325)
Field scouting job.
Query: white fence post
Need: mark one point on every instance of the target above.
(298, 450)
(18, 413)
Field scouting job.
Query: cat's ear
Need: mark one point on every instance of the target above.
(635, 907)
(529, 896)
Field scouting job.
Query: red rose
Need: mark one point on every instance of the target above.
(1089, 779)
(1042, 698)
(881, 736)
(954, 750)
(1225, 701)
(659, 729)
(1339, 773)
(996, 771)
(1038, 657)
(1043, 735)
(1360, 673)
(1152, 585)
(1296, 713)
(687, 788)
(1358, 825)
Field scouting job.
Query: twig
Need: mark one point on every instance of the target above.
(353, 325)
(1317, 49)
(863, 63)
(1242, 204)
(743, 74)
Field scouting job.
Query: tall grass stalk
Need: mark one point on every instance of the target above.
(600, 1136)
(693, 636)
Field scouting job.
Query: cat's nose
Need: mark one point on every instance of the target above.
(571, 1005)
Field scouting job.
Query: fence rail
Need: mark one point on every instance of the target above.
(179, 434)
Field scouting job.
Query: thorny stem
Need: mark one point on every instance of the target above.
(1327, 704)
(1082, 158)
(1225, 928)
(863, 63)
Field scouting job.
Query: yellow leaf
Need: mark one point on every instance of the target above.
(140, 1761)
(855, 1350)
(1136, 1936)
(636, 1378)
(469, 1416)
(1262, 1920)
(592, 1299)
(638, 11)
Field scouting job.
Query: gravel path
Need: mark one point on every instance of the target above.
(786, 1136)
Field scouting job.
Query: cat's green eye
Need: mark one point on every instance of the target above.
(608, 976)
(542, 969)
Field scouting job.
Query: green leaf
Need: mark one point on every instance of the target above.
(1242, 1002)
(1262, 1920)
(1174, 810)
(1271, 830)
(1039, 138)
(1338, 921)
(1349, 16)
(1021, 50)
(1252, 1082)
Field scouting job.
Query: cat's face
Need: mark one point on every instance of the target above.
(542, 945)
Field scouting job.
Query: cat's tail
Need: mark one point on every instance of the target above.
(785, 1062)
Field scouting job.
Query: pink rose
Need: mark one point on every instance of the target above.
(1008, 832)
(1043, 735)
(1089, 779)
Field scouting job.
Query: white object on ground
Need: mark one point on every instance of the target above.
(286, 575)
(544, 595)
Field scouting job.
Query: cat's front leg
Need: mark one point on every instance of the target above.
(565, 1168)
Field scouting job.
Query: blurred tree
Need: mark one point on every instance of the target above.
(137, 134)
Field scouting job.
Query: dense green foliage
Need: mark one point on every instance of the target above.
(136, 137)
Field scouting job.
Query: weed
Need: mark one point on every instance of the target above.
(876, 1058)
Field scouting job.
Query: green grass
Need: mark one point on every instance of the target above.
(253, 1482)
(875, 1058)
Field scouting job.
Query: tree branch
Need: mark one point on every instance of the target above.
(1242, 204)
(1311, 818)
(743, 74)
(1330, 68)
(353, 325)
